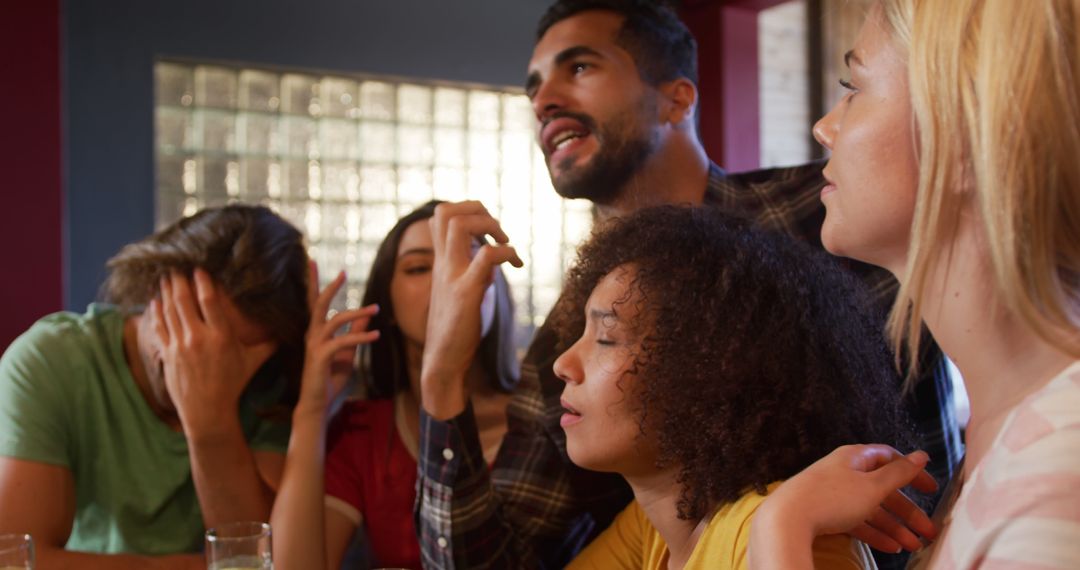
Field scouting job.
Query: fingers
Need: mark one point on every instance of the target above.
(487, 258)
(357, 317)
(891, 527)
(876, 539)
(168, 310)
(206, 293)
(322, 301)
(923, 481)
(157, 321)
(909, 514)
(462, 234)
(446, 212)
(872, 456)
(899, 472)
(184, 302)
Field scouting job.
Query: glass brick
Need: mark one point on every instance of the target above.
(377, 221)
(170, 173)
(334, 228)
(414, 104)
(378, 184)
(257, 177)
(174, 84)
(340, 181)
(516, 154)
(483, 110)
(170, 207)
(259, 91)
(449, 184)
(294, 177)
(340, 97)
(215, 87)
(414, 146)
(449, 107)
(377, 100)
(484, 186)
(213, 171)
(483, 149)
(518, 114)
(338, 138)
(258, 134)
(300, 137)
(300, 95)
(414, 185)
(174, 129)
(449, 147)
(294, 212)
(216, 130)
(377, 142)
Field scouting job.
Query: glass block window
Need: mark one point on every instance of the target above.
(343, 156)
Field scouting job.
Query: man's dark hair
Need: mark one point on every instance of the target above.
(758, 355)
(385, 370)
(662, 47)
(255, 256)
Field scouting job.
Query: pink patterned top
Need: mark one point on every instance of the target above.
(1020, 509)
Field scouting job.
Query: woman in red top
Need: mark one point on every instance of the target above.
(371, 445)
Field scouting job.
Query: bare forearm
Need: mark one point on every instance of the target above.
(60, 559)
(779, 541)
(299, 518)
(226, 478)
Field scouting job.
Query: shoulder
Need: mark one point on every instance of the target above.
(78, 337)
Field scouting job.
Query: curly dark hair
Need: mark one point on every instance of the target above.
(661, 45)
(759, 355)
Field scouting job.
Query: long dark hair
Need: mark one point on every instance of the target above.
(383, 370)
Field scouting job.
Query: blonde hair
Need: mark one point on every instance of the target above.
(995, 88)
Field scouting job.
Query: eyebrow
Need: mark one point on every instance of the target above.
(849, 57)
(417, 250)
(533, 79)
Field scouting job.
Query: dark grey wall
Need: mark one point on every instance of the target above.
(110, 47)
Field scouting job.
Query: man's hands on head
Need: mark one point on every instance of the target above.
(460, 275)
(205, 365)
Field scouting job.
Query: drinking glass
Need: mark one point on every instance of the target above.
(16, 552)
(239, 546)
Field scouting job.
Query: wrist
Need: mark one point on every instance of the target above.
(443, 395)
(211, 428)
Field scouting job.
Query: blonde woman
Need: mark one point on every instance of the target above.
(956, 165)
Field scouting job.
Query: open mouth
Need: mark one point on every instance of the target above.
(571, 416)
(563, 134)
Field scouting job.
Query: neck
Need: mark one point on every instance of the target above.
(658, 495)
(676, 173)
(1001, 358)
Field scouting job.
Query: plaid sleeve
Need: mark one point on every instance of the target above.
(534, 509)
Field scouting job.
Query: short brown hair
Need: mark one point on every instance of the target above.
(257, 258)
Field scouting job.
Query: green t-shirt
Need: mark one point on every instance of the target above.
(67, 398)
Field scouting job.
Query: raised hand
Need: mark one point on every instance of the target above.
(205, 363)
(460, 275)
(853, 490)
(328, 358)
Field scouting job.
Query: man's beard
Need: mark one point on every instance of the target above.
(622, 152)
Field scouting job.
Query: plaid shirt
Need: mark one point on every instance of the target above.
(536, 509)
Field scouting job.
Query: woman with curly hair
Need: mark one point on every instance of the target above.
(707, 362)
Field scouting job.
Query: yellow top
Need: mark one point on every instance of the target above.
(631, 542)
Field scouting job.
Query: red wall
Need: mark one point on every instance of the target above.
(31, 217)
(726, 32)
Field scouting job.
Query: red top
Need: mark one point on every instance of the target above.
(369, 469)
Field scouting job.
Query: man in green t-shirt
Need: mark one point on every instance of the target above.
(128, 430)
